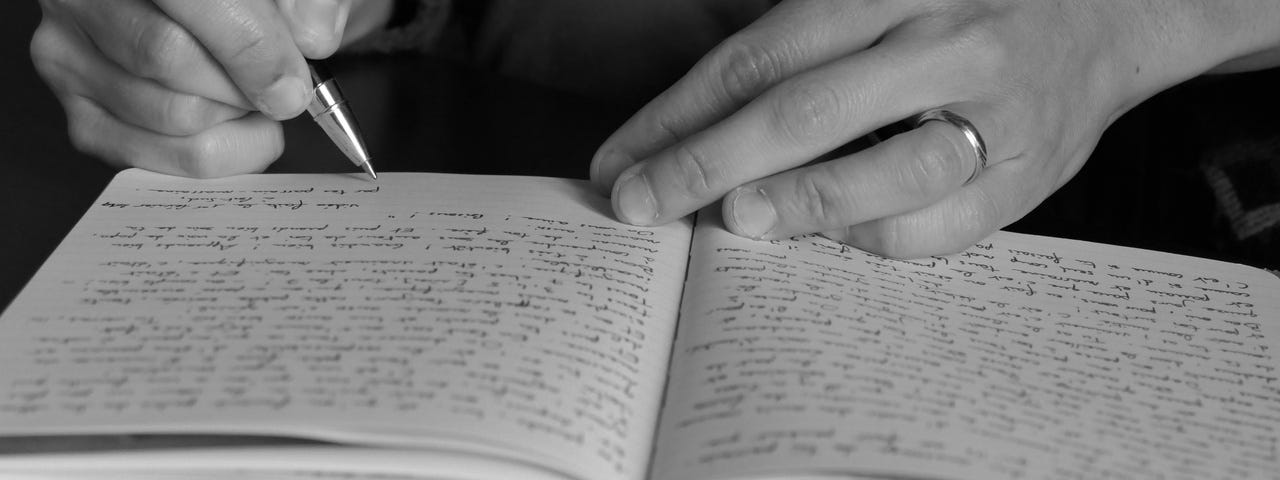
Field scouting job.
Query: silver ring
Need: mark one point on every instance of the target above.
(970, 133)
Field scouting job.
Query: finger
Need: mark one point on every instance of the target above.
(1001, 195)
(52, 43)
(150, 106)
(82, 70)
(144, 41)
(317, 25)
(252, 42)
(791, 124)
(793, 37)
(244, 145)
(904, 173)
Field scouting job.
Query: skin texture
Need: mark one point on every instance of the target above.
(1040, 80)
(192, 88)
(196, 88)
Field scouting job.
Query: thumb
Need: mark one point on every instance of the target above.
(317, 25)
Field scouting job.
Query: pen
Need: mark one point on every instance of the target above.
(329, 109)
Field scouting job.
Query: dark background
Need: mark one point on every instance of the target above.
(1142, 188)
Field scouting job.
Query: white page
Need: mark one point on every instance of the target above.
(1025, 357)
(268, 463)
(500, 311)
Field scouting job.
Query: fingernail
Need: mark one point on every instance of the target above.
(634, 200)
(753, 213)
(285, 99)
(319, 18)
(340, 19)
(608, 166)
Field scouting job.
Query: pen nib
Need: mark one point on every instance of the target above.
(329, 109)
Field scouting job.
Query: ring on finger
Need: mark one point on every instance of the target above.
(970, 133)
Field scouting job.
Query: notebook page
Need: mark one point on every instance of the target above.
(269, 463)
(1024, 357)
(503, 310)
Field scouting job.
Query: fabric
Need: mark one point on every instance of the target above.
(1245, 179)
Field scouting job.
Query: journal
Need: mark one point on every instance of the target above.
(495, 327)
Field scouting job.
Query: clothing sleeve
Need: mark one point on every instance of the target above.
(415, 26)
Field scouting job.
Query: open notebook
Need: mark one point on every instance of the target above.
(481, 327)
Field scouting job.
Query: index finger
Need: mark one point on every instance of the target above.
(791, 124)
(793, 37)
(143, 40)
(253, 43)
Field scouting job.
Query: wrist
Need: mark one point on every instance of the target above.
(1177, 40)
(1268, 58)
(1255, 29)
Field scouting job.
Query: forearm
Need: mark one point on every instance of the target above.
(1257, 61)
(1156, 44)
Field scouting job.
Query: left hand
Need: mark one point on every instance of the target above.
(1040, 80)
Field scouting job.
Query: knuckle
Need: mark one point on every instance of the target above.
(980, 43)
(694, 170)
(878, 236)
(162, 50)
(819, 197)
(746, 69)
(47, 50)
(807, 111)
(84, 125)
(897, 238)
(252, 46)
(81, 133)
(937, 162)
(184, 115)
(665, 127)
(199, 156)
(215, 153)
(316, 44)
(890, 238)
(946, 230)
(982, 216)
(45, 43)
(983, 47)
(960, 237)
(979, 37)
(275, 144)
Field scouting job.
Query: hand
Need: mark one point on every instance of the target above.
(1040, 80)
(185, 87)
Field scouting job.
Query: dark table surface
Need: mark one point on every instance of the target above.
(425, 114)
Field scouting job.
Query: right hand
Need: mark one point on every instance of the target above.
(185, 87)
